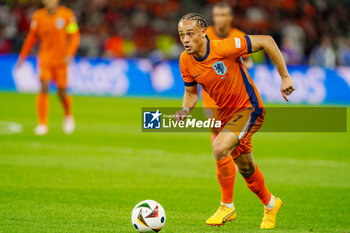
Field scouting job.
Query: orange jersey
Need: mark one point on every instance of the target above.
(222, 75)
(58, 35)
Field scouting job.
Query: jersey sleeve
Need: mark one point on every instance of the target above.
(241, 34)
(186, 76)
(72, 25)
(72, 30)
(237, 46)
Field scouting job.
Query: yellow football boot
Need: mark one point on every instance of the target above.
(269, 219)
(221, 216)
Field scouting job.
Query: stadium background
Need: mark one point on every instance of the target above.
(90, 180)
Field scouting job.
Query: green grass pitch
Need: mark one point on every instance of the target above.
(90, 181)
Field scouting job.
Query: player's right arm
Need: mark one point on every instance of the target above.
(189, 102)
(30, 40)
(191, 92)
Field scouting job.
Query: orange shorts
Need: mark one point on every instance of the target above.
(57, 73)
(244, 123)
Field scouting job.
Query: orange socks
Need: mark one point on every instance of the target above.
(42, 108)
(256, 184)
(66, 105)
(226, 172)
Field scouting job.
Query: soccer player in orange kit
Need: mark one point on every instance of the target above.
(57, 31)
(217, 66)
(222, 19)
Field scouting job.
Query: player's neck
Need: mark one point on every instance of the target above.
(203, 50)
(52, 11)
(222, 32)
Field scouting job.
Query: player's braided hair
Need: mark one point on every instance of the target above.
(195, 16)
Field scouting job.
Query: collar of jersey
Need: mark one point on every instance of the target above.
(206, 54)
(221, 37)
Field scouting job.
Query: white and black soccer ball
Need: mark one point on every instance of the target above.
(148, 216)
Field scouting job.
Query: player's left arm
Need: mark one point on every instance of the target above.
(268, 44)
(72, 30)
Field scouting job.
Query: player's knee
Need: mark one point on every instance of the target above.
(44, 89)
(246, 170)
(220, 151)
(61, 93)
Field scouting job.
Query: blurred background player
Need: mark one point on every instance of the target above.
(222, 18)
(57, 31)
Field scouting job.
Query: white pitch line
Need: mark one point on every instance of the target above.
(8, 127)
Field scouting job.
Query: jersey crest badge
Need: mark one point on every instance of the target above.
(220, 68)
(59, 23)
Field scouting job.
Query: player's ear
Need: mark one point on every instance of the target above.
(204, 32)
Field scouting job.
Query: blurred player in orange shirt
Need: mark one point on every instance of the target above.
(217, 66)
(222, 18)
(57, 31)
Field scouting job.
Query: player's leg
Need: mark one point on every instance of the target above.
(256, 183)
(245, 162)
(65, 99)
(253, 177)
(42, 102)
(223, 145)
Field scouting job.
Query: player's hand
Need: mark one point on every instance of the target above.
(68, 59)
(19, 64)
(181, 115)
(287, 87)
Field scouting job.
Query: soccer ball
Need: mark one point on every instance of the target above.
(148, 216)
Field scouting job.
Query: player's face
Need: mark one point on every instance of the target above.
(222, 17)
(191, 35)
(50, 4)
